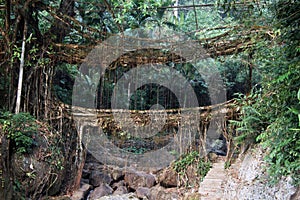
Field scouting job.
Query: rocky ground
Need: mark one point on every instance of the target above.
(106, 182)
(246, 179)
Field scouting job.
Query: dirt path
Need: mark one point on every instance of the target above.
(211, 188)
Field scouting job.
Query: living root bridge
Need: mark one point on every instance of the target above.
(196, 126)
(183, 117)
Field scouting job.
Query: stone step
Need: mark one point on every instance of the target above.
(211, 188)
(215, 177)
(204, 190)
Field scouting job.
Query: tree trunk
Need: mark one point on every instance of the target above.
(176, 9)
(20, 82)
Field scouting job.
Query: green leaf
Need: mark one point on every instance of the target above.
(294, 110)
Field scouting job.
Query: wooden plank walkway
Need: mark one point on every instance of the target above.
(212, 188)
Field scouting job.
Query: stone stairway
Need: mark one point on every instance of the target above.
(211, 188)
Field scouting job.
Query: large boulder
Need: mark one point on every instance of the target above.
(143, 193)
(102, 190)
(168, 178)
(43, 163)
(120, 190)
(82, 192)
(118, 184)
(33, 174)
(97, 178)
(135, 179)
(159, 192)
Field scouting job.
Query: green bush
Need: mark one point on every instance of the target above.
(250, 122)
(192, 158)
(20, 129)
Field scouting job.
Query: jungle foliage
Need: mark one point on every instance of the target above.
(255, 46)
(269, 116)
(21, 130)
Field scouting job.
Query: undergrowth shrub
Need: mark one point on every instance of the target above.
(192, 158)
(250, 122)
(21, 129)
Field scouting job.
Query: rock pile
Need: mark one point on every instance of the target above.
(100, 182)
